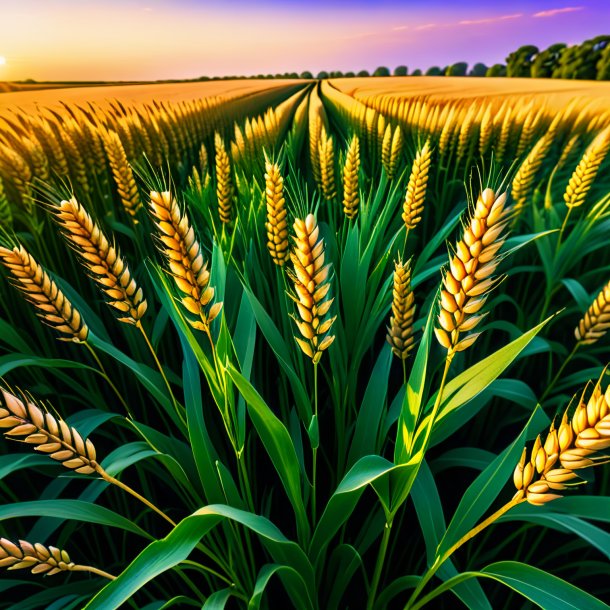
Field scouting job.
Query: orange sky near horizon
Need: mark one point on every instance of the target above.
(161, 39)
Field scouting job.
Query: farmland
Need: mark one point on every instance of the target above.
(305, 344)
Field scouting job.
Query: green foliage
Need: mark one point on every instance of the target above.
(519, 62)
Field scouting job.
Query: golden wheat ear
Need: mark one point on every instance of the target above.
(469, 279)
(36, 285)
(23, 417)
(583, 176)
(41, 559)
(596, 321)
(277, 223)
(413, 206)
(311, 277)
(581, 441)
(351, 170)
(122, 173)
(224, 185)
(102, 260)
(185, 260)
(400, 331)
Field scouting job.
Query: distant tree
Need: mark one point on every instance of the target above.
(416, 72)
(349, 75)
(381, 71)
(580, 61)
(336, 74)
(458, 69)
(401, 71)
(496, 70)
(434, 71)
(322, 75)
(478, 69)
(603, 65)
(547, 61)
(307, 74)
(363, 73)
(519, 62)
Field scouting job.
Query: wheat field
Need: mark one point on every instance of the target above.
(320, 345)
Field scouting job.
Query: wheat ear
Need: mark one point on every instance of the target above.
(224, 185)
(583, 176)
(596, 321)
(47, 560)
(351, 170)
(400, 331)
(122, 173)
(277, 225)
(185, 260)
(524, 181)
(413, 206)
(23, 417)
(469, 279)
(580, 442)
(327, 165)
(311, 277)
(102, 260)
(42, 292)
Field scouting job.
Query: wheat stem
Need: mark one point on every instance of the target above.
(110, 479)
(383, 548)
(104, 374)
(315, 449)
(97, 571)
(559, 372)
(158, 363)
(441, 560)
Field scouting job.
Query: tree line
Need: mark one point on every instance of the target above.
(589, 60)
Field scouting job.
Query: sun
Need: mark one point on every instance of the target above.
(2, 60)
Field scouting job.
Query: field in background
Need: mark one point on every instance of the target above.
(557, 93)
(314, 345)
(28, 100)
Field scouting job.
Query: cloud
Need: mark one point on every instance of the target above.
(427, 26)
(558, 11)
(490, 19)
(401, 27)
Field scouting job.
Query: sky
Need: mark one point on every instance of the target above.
(164, 39)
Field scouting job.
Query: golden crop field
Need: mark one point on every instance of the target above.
(306, 344)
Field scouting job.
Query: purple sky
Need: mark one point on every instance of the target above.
(154, 39)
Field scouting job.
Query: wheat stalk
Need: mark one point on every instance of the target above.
(102, 260)
(413, 206)
(351, 170)
(42, 292)
(400, 331)
(23, 417)
(311, 277)
(327, 165)
(596, 321)
(47, 560)
(469, 279)
(583, 176)
(580, 442)
(185, 260)
(277, 225)
(122, 173)
(224, 186)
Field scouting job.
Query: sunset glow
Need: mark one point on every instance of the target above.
(155, 39)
